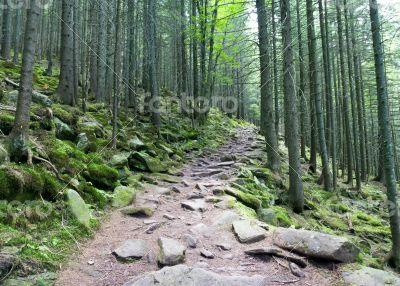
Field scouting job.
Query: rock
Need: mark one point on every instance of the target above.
(228, 158)
(152, 228)
(7, 262)
(149, 221)
(207, 173)
(37, 97)
(167, 178)
(248, 232)
(119, 160)
(144, 162)
(227, 202)
(182, 275)
(201, 229)
(195, 205)
(171, 252)
(3, 155)
(83, 143)
(213, 199)
(218, 192)
(268, 216)
(207, 254)
(224, 246)
(201, 187)
(123, 196)
(201, 264)
(63, 131)
(135, 143)
(316, 244)
(138, 211)
(132, 249)
(169, 217)
(78, 207)
(43, 279)
(367, 276)
(226, 219)
(190, 240)
(194, 196)
(177, 190)
(91, 127)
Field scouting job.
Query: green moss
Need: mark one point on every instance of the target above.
(123, 196)
(6, 122)
(245, 211)
(102, 175)
(282, 216)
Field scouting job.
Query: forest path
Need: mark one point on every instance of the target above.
(207, 228)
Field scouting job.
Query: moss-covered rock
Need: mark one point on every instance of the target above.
(144, 162)
(123, 196)
(78, 207)
(102, 176)
(19, 182)
(135, 143)
(120, 160)
(63, 131)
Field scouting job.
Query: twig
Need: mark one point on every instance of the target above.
(279, 262)
(54, 169)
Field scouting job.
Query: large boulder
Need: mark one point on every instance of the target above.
(135, 143)
(144, 162)
(63, 131)
(367, 276)
(182, 275)
(78, 207)
(37, 97)
(83, 142)
(45, 279)
(172, 252)
(316, 245)
(120, 160)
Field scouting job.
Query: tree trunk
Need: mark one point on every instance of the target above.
(267, 109)
(315, 90)
(296, 195)
(19, 150)
(384, 123)
(65, 88)
(7, 31)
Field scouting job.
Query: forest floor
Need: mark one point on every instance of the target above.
(201, 178)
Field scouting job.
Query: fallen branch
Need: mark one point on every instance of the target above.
(52, 167)
(7, 108)
(11, 82)
(279, 253)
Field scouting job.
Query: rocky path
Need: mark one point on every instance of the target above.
(191, 223)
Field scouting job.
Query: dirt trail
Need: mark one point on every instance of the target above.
(95, 264)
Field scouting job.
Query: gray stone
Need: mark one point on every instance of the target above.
(171, 252)
(182, 275)
(218, 191)
(195, 205)
(119, 160)
(78, 207)
(83, 143)
(316, 244)
(201, 229)
(248, 232)
(169, 217)
(225, 219)
(63, 131)
(190, 240)
(367, 276)
(224, 246)
(132, 249)
(37, 97)
(135, 143)
(207, 254)
(152, 228)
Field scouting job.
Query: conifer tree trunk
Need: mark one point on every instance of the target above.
(7, 31)
(276, 76)
(152, 42)
(267, 109)
(296, 196)
(65, 88)
(302, 87)
(345, 103)
(384, 124)
(102, 53)
(315, 90)
(19, 138)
